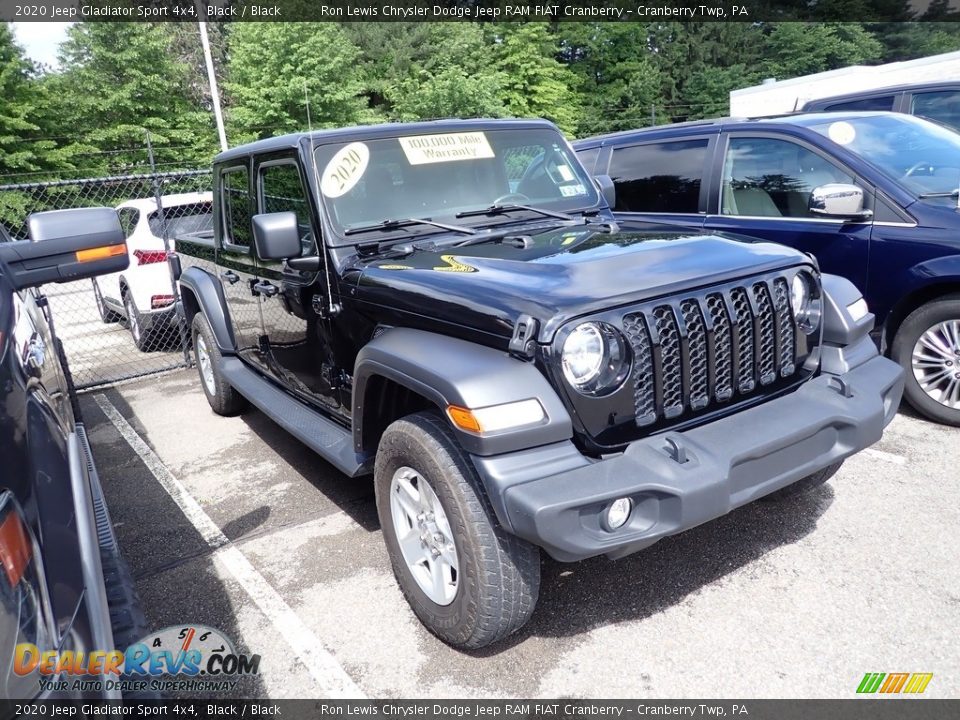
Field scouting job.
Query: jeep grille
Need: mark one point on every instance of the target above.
(693, 352)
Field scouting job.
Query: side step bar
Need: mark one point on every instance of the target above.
(333, 442)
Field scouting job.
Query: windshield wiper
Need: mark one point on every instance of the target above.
(502, 209)
(393, 224)
(949, 194)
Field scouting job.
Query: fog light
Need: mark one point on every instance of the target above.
(618, 513)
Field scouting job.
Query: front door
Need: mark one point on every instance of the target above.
(765, 190)
(235, 260)
(297, 340)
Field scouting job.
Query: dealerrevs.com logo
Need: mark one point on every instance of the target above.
(894, 683)
(184, 658)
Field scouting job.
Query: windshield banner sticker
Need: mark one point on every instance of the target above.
(345, 170)
(572, 190)
(426, 149)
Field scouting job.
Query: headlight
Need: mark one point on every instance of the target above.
(595, 358)
(805, 302)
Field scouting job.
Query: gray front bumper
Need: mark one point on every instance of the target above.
(555, 497)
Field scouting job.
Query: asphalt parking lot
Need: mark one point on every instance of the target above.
(231, 523)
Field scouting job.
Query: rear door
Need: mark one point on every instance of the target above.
(298, 350)
(662, 180)
(765, 186)
(235, 258)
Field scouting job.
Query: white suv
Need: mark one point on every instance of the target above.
(143, 293)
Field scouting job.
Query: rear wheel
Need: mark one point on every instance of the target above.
(927, 345)
(223, 399)
(142, 338)
(107, 316)
(468, 580)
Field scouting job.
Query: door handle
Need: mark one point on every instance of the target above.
(230, 276)
(265, 288)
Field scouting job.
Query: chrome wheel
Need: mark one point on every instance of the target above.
(424, 536)
(936, 363)
(132, 318)
(205, 365)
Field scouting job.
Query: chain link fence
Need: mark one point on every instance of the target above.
(124, 325)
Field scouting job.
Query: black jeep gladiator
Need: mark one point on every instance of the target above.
(451, 307)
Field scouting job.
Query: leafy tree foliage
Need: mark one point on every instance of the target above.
(18, 108)
(274, 67)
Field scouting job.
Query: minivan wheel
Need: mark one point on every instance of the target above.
(223, 399)
(468, 580)
(927, 345)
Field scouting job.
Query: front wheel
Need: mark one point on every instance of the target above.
(468, 580)
(927, 346)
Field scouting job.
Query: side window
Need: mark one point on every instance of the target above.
(881, 102)
(281, 190)
(235, 205)
(941, 106)
(128, 220)
(659, 177)
(766, 177)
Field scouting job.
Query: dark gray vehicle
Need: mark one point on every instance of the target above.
(451, 307)
(937, 101)
(64, 588)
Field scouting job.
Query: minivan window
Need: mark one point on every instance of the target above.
(942, 106)
(767, 177)
(662, 177)
(879, 103)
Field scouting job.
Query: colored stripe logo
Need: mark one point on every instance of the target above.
(891, 683)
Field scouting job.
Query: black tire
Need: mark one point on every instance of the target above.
(499, 573)
(909, 332)
(223, 399)
(804, 485)
(142, 339)
(107, 316)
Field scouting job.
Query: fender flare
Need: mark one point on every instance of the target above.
(201, 292)
(449, 371)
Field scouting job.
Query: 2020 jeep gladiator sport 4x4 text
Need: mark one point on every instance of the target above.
(451, 307)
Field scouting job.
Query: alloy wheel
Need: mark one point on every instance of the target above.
(936, 363)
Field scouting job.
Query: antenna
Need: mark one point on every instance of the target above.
(321, 244)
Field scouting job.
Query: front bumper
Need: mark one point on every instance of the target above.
(555, 497)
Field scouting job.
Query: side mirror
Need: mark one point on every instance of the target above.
(276, 236)
(607, 189)
(838, 200)
(66, 245)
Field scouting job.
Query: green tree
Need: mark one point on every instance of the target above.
(272, 64)
(118, 81)
(19, 108)
(794, 49)
(535, 83)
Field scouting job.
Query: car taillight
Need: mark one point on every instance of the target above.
(148, 257)
(160, 301)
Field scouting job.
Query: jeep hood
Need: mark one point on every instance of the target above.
(561, 274)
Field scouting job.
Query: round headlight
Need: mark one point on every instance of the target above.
(595, 358)
(805, 302)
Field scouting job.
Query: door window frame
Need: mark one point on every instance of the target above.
(723, 147)
(304, 187)
(224, 220)
(706, 180)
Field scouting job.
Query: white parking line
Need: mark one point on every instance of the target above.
(885, 456)
(332, 678)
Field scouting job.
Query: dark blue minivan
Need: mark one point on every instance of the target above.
(874, 196)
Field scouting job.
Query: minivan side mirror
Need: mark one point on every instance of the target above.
(607, 189)
(276, 236)
(838, 200)
(66, 245)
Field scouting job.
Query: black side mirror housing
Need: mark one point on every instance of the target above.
(607, 189)
(66, 245)
(276, 236)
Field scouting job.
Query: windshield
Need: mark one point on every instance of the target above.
(441, 175)
(922, 156)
